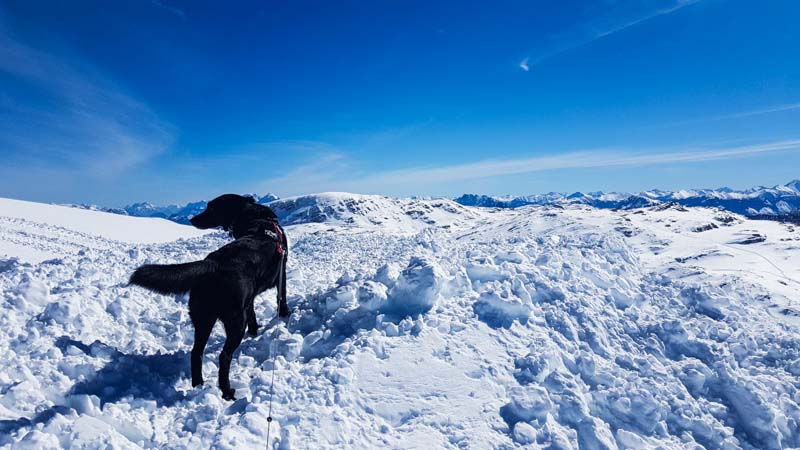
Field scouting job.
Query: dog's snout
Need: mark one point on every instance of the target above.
(200, 221)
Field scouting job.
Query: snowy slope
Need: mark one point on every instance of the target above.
(35, 232)
(373, 212)
(450, 327)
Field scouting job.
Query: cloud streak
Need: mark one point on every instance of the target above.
(171, 9)
(574, 160)
(756, 112)
(325, 172)
(620, 16)
(66, 115)
(342, 176)
(737, 115)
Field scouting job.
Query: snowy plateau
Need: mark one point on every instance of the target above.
(416, 324)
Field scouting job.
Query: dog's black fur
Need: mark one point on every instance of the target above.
(224, 285)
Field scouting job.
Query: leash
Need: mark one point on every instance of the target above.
(280, 250)
(271, 390)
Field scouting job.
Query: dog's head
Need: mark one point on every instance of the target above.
(221, 212)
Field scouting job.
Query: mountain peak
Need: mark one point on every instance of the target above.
(794, 185)
(747, 201)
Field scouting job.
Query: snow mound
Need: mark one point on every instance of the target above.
(386, 303)
(500, 308)
(372, 211)
(417, 288)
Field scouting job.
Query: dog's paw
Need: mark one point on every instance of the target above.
(196, 383)
(227, 394)
(253, 331)
(284, 312)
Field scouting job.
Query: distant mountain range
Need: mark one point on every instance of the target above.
(759, 201)
(780, 202)
(175, 213)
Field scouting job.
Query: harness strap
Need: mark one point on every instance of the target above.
(279, 235)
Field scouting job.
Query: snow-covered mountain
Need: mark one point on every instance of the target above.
(415, 324)
(176, 213)
(759, 201)
(777, 200)
(372, 211)
(327, 207)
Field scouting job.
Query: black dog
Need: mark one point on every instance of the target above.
(224, 285)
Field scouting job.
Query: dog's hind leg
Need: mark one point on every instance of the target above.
(252, 324)
(202, 330)
(283, 307)
(234, 331)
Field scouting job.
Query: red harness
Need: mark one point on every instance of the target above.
(278, 237)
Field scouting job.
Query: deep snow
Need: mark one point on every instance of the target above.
(416, 324)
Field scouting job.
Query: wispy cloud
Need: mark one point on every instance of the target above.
(736, 115)
(256, 154)
(756, 112)
(171, 9)
(616, 18)
(325, 172)
(65, 114)
(322, 175)
(524, 64)
(573, 160)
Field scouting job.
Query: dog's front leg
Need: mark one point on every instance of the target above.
(283, 306)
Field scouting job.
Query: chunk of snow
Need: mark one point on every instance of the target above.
(417, 288)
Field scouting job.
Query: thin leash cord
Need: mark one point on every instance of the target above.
(269, 414)
(274, 362)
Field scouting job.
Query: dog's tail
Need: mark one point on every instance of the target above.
(172, 278)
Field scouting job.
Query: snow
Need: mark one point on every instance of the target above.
(415, 324)
(754, 201)
(398, 216)
(35, 232)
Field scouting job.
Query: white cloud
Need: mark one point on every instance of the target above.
(617, 17)
(67, 115)
(524, 64)
(573, 160)
(325, 172)
(736, 115)
(755, 112)
(337, 174)
(666, 8)
(171, 9)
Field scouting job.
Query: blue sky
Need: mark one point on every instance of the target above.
(171, 101)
